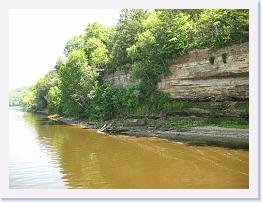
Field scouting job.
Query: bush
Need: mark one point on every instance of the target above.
(224, 57)
(162, 103)
(212, 60)
(107, 102)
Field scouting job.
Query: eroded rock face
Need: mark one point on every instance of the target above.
(119, 77)
(192, 76)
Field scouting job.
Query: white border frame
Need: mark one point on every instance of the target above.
(252, 192)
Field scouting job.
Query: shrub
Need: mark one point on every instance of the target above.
(212, 60)
(162, 102)
(107, 102)
(224, 57)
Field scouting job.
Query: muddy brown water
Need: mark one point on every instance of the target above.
(46, 154)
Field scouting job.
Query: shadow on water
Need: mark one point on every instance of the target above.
(39, 119)
(231, 145)
(216, 143)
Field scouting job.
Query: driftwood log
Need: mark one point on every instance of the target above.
(110, 128)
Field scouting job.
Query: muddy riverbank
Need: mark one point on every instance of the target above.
(206, 135)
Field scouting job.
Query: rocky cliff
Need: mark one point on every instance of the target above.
(119, 77)
(204, 74)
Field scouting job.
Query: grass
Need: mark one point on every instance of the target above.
(214, 116)
(214, 109)
(197, 108)
(189, 122)
(181, 115)
(233, 124)
(242, 106)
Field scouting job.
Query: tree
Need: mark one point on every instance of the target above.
(127, 28)
(29, 99)
(59, 63)
(78, 82)
(54, 100)
(96, 30)
(42, 87)
(16, 96)
(143, 42)
(219, 28)
(96, 52)
(76, 43)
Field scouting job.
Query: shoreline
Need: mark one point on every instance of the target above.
(233, 138)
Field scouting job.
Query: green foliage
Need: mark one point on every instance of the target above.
(35, 97)
(190, 122)
(54, 100)
(112, 100)
(229, 123)
(162, 103)
(212, 60)
(107, 102)
(143, 43)
(148, 72)
(29, 99)
(132, 96)
(160, 39)
(78, 83)
(219, 28)
(59, 63)
(180, 106)
(224, 57)
(76, 43)
(127, 28)
(176, 32)
(98, 31)
(42, 87)
(16, 97)
(96, 52)
(242, 106)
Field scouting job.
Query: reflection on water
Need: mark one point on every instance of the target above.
(46, 154)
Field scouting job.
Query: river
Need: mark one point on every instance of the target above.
(47, 154)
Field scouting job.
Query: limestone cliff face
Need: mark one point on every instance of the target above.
(193, 76)
(119, 77)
